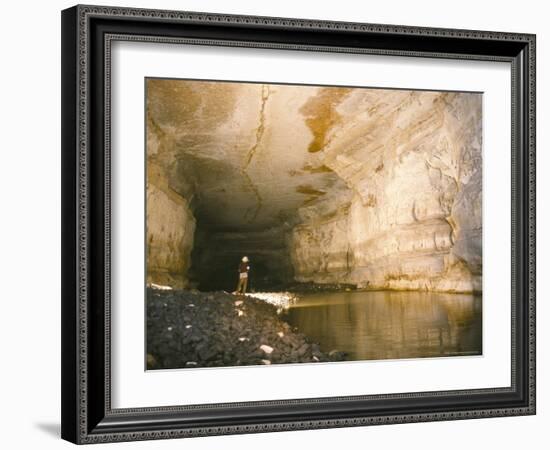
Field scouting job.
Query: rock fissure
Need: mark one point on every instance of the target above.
(259, 134)
(261, 127)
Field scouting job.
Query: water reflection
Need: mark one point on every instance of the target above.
(391, 325)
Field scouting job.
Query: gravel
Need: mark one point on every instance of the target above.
(212, 329)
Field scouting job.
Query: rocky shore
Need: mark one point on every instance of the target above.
(198, 329)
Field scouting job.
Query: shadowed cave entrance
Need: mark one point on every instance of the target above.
(216, 256)
(258, 215)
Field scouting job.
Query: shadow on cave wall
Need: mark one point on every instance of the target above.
(215, 262)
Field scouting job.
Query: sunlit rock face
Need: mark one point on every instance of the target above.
(413, 162)
(379, 188)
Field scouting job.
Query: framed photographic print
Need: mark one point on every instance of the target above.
(279, 224)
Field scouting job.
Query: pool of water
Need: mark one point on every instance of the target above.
(389, 324)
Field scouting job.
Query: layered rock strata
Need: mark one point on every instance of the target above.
(413, 162)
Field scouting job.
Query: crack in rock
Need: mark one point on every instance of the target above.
(252, 152)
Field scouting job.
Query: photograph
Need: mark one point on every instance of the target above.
(276, 220)
(293, 223)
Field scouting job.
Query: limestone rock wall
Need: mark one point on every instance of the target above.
(170, 220)
(413, 162)
(320, 250)
(170, 231)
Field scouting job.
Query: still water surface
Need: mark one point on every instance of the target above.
(390, 325)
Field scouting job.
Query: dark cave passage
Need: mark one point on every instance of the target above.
(216, 256)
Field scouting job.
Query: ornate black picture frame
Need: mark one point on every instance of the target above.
(87, 34)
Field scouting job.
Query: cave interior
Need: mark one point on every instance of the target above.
(371, 187)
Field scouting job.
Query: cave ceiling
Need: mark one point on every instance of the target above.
(248, 155)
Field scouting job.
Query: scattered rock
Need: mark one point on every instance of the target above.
(267, 349)
(337, 355)
(206, 352)
(151, 361)
(303, 349)
(211, 334)
(160, 287)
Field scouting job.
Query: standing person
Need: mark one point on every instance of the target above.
(244, 268)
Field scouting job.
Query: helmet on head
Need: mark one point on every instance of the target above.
(245, 258)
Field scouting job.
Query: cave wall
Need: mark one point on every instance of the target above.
(236, 155)
(320, 250)
(170, 235)
(374, 187)
(413, 161)
(170, 221)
